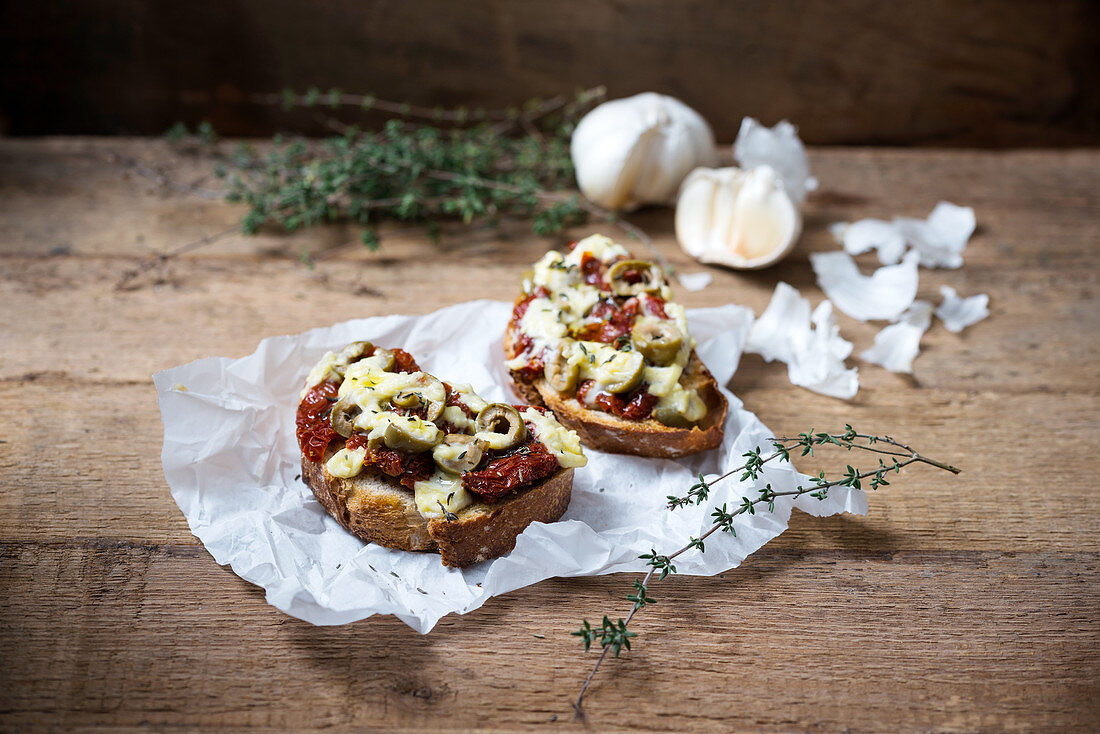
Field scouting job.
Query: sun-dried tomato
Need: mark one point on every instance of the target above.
(639, 405)
(616, 321)
(635, 406)
(652, 306)
(409, 468)
(312, 425)
(404, 362)
(524, 303)
(592, 269)
(530, 463)
(532, 370)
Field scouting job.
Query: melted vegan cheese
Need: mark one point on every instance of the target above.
(373, 389)
(562, 442)
(567, 309)
(441, 493)
(346, 463)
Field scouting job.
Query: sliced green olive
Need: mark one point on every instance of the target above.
(561, 375)
(411, 434)
(500, 426)
(622, 373)
(670, 416)
(651, 281)
(681, 413)
(385, 357)
(428, 393)
(458, 453)
(342, 416)
(351, 353)
(659, 340)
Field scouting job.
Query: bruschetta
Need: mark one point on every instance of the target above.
(403, 459)
(596, 338)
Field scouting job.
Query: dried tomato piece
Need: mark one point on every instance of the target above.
(524, 303)
(532, 370)
(311, 422)
(404, 362)
(635, 406)
(592, 269)
(530, 463)
(615, 321)
(653, 306)
(409, 468)
(639, 406)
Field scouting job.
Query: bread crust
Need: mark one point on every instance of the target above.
(607, 432)
(377, 509)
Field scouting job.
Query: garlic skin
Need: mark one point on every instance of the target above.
(740, 219)
(637, 150)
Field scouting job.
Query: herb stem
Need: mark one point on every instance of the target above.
(612, 637)
(459, 115)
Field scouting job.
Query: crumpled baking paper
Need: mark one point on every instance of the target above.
(898, 344)
(780, 148)
(810, 345)
(233, 466)
(958, 313)
(883, 295)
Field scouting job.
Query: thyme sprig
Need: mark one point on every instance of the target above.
(465, 165)
(613, 636)
(426, 166)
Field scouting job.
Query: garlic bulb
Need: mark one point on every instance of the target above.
(637, 150)
(741, 219)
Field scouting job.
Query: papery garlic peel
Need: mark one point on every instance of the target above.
(741, 219)
(637, 150)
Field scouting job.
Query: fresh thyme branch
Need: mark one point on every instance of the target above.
(892, 457)
(462, 164)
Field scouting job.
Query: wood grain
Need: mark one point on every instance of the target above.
(938, 72)
(962, 604)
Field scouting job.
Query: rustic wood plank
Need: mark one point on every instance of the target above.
(795, 639)
(100, 475)
(961, 72)
(956, 595)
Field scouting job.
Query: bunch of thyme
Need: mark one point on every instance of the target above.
(425, 166)
(892, 456)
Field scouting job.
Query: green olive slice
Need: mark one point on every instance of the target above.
(670, 416)
(622, 373)
(681, 413)
(500, 426)
(561, 375)
(659, 340)
(410, 434)
(428, 393)
(651, 281)
(385, 358)
(342, 416)
(458, 453)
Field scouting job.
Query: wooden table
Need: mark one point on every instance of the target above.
(968, 603)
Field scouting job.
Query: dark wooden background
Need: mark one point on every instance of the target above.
(940, 72)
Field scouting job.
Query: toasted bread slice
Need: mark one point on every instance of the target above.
(607, 432)
(378, 509)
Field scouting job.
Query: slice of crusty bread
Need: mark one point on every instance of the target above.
(607, 432)
(379, 510)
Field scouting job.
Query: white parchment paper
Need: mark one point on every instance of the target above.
(233, 466)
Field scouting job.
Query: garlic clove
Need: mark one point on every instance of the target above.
(637, 150)
(740, 219)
